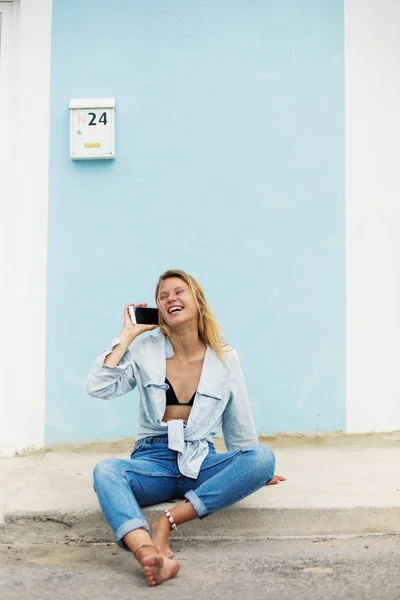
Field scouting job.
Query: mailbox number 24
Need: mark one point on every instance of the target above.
(103, 118)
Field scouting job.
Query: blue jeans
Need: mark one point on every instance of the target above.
(151, 476)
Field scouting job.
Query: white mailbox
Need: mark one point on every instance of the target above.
(92, 124)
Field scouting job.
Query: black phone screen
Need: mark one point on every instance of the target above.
(146, 316)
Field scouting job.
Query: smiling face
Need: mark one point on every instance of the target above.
(177, 303)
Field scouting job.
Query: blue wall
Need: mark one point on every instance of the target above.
(230, 165)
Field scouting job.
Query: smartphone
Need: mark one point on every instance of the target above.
(141, 315)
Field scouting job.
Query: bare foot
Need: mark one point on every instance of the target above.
(158, 568)
(160, 531)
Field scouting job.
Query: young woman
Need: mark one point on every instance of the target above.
(190, 385)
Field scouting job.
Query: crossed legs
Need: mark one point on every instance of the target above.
(223, 480)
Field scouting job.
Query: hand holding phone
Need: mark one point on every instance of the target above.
(134, 329)
(129, 332)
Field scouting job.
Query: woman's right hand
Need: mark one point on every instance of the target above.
(126, 337)
(131, 330)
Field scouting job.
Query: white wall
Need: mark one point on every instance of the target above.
(23, 354)
(372, 45)
(7, 231)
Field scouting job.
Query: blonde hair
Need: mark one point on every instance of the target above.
(210, 330)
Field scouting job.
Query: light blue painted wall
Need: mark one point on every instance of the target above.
(230, 165)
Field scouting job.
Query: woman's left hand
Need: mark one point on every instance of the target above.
(275, 480)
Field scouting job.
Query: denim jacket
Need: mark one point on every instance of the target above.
(221, 398)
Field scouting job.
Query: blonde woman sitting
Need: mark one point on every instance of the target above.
(190, 385)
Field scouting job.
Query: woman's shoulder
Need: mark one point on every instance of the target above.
(230, 352)
(231, 356)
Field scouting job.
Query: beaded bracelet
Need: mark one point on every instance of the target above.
(170, 519)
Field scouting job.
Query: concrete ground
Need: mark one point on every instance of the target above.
(316, 569)
(331, 531)
(335, 485)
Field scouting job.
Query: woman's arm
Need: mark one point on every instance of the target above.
(109, 381)
(117, 353)
(112, 374)
(237, 421)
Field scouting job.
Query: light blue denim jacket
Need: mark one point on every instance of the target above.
(221, 398)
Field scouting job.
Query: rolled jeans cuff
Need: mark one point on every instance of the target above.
(128, 526)
(197, 504)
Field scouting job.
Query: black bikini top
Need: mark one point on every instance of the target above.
(172, 399)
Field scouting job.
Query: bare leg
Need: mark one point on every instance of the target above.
(161, 527)
(160, 533)
(221, 485)
(156, 568)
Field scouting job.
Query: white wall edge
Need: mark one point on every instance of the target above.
(372, 83)
(7, 230)
(31, 215)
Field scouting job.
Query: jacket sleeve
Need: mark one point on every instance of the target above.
(237, 421)
(109, 382)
